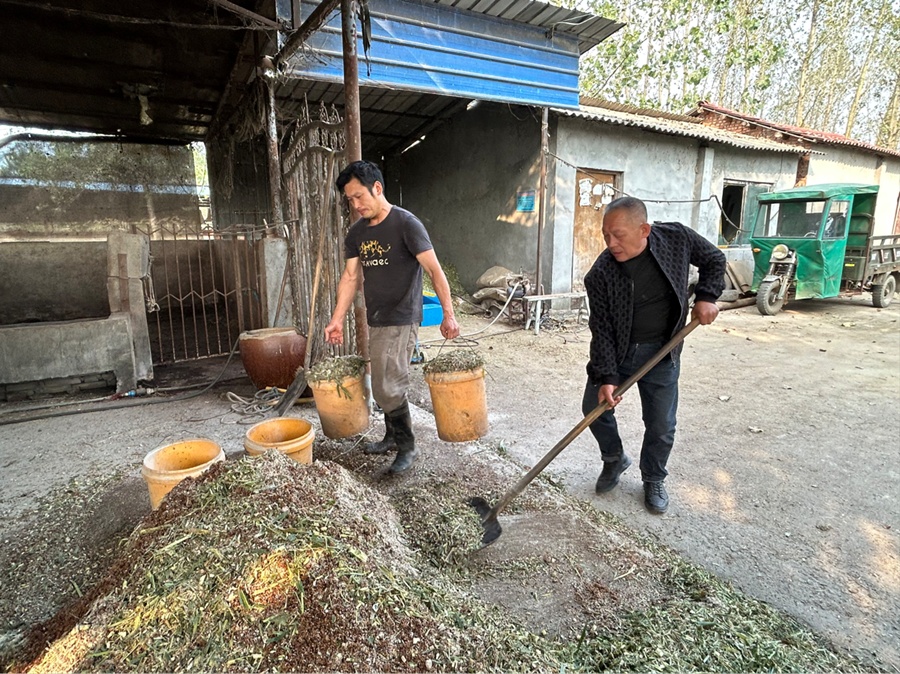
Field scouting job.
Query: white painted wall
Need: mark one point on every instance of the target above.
(849, 165)
(662, 170)
(463, 180)
(654, 167)
(736, 165)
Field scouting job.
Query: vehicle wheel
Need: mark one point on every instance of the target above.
(882, 294)
(767, 298)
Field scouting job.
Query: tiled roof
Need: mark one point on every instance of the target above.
(674, 125)
(809, 135)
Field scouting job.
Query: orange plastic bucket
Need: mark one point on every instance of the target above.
(343, 408)
(459, 402)
(292, 437)
(166, 466)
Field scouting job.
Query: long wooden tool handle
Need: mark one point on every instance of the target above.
(588, 420)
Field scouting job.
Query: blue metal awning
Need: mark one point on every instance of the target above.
(430, 47)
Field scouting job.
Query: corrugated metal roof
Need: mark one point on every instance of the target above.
(675, 125)
(390, 119)
(809, 135)
(590, 102)
(83, 64)
(590, 29)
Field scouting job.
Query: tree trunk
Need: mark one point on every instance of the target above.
(805, 63)
(723, 76)
(889, 131)
(652, 41)
(874, 44)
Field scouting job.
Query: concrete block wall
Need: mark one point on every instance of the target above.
(52, 281)
(41, 351)
(120, 343)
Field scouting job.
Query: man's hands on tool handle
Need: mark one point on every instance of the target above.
(705, 312)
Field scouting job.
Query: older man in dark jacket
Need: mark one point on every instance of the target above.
(637, 291)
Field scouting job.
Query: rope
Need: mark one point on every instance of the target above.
(259, 406)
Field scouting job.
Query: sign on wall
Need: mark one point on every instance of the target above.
(525, 201)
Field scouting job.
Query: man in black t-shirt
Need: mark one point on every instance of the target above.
(388, 248)
(637, 292)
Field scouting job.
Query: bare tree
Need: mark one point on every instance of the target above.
(806, 62)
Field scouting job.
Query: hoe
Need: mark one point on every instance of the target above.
(492, 529)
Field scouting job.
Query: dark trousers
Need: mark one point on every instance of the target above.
(659, 403)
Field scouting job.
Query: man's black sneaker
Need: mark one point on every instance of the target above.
(655, 497)
(609, 476)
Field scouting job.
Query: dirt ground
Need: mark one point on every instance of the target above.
(783, 479)
(784, 474)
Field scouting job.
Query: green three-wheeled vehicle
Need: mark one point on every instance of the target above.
(817, 241)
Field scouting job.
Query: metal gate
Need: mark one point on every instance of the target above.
(203, 290)
(206, 284)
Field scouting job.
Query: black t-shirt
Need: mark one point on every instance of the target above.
(392, 276)
(655, 308)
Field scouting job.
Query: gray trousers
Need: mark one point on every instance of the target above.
(390, 350)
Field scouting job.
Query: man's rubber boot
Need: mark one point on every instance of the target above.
(385, 445)
(406, 441)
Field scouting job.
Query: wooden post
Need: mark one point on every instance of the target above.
(353, 145)
(351, 81)
(542, 208)
(273, 153)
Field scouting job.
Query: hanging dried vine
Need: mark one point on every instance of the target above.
(311, 163)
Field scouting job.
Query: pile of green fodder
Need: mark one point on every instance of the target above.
(465, 302)
(454, 360)
(456, 287)
(336, 369)
(266, 564)
(687, 619)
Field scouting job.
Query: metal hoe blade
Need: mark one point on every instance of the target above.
(492, 528)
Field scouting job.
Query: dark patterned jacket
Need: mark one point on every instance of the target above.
(610, 293)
